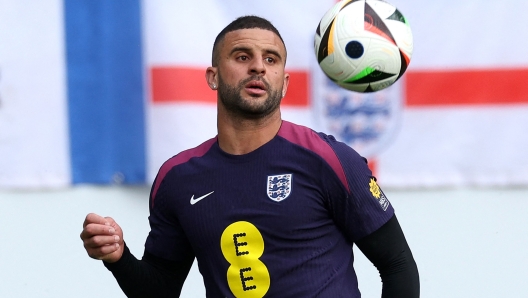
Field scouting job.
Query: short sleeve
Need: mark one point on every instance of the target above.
(360, 207)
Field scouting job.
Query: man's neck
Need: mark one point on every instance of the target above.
(240, 136)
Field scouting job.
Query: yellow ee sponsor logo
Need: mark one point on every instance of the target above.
(242, 246)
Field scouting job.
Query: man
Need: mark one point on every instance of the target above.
(267, 207)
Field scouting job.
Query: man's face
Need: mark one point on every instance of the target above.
(251, 77)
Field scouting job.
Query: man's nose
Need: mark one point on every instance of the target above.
(257, 66)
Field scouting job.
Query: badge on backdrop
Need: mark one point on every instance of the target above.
(368, 122)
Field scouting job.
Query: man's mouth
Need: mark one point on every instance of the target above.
(255, 87)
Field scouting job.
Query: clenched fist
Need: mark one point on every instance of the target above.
(102, 238)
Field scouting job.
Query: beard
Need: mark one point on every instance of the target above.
(231, 98)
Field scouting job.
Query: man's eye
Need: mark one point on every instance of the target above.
(270, 60)
(243, 58)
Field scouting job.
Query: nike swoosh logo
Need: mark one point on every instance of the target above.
(194, 201)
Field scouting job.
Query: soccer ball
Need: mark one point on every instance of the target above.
(363, 45)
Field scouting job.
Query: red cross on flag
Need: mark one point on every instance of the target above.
(456, 118)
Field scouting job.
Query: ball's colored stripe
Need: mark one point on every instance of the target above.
(346, 3)
(378, 25)
(369, 75)
(331, 48)
(405, 60)
(379, 32)
(324, 45)
(398, 16)
(365, 72)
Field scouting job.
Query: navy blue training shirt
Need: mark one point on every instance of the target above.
(277, 222)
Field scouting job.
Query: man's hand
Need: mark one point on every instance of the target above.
(102, 238)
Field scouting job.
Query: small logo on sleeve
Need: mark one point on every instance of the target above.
(279, 187)
(376, 192)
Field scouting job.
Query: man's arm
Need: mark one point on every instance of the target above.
(388, 250)
(150, 277)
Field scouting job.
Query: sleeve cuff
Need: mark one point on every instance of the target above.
(122, 262)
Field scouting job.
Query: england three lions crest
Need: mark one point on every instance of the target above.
(279, 187)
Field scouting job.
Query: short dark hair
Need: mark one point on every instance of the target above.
(244, 22)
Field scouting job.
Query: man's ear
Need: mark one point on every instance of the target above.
(211, 77)
(285, 84)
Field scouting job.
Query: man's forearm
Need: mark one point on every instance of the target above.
(401, 278)
(149, 277)
(388, 250)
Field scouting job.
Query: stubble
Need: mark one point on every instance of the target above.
(231, 98)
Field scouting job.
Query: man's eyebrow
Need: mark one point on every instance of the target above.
(248, 49)
(240, 49)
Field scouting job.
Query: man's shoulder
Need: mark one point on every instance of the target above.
(298, 134)
(306, 137)
(186, 155)
(197, 151)
(181, 158)
(320, 144)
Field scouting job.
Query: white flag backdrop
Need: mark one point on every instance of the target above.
(456, 118)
